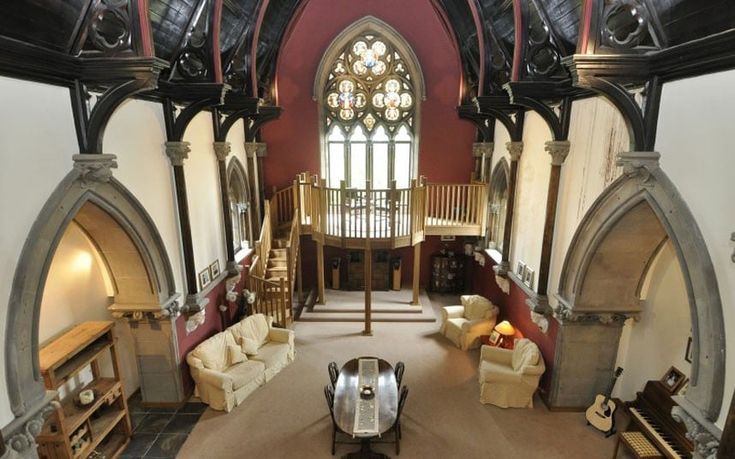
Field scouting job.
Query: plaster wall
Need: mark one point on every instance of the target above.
(145, 170)
(597, 134)
(695, 142)
(658, 340)
(499, 150)
(531, 189)
(202, 182)
(37, 142)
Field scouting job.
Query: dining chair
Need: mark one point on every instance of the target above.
(400, 368)
(397, 425)
(329, 395)
(333, 373)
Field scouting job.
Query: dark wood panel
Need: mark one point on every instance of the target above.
(47, 23)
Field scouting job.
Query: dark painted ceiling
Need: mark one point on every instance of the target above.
(183, 33)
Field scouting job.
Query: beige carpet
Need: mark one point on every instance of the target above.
(288, 417)
(386, 306)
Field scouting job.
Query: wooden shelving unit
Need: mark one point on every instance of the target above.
(447, 273)
(101, 427)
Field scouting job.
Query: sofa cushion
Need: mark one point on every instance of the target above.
(249, 345)
(525, 354)
(476, 307)
(245, 372)
(273, 354)
(255, 327)
(235, 355)
(213, 351)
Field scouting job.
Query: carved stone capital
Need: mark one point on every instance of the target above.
(195, 320)
(177, 152)
(639, 164)
(705, 442)
(138, 312)
(541, 321)
(503, 282)
(563, 313)
(257, 149)
(502, 268)
(222, 150)
(539, 304)
(194, 303)
(515, 149)
(482, 149)
(558, 149)
(94, 168)
(21, 438)
(233, 269)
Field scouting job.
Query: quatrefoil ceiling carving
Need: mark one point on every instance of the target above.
(625, 24)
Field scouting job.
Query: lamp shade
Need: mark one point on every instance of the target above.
(505, 328)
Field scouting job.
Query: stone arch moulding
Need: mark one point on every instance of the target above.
(90, 181)
(644, 182)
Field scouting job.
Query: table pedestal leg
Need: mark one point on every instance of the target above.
(365, 452)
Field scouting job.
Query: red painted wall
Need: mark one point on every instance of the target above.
(212, 324)
(445, 152)
(513, 308)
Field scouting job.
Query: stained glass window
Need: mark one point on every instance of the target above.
(369, 107)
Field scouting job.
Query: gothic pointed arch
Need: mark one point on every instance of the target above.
(238, 190)
(89, 185)
(609, 257)
(368, 88)
(498, 203)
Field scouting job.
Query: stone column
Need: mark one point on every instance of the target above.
(558, 149)
(156, 353)
(482, 152)
(515, 149)
(586, 349)
(255, 152)
(20, 435)
(177, 152)
(221, 151)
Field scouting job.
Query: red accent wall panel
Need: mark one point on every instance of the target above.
(445, 152)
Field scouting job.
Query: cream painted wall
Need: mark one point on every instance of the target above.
(202, 182)
(695, 139)
(137, 135)
(649, 347)
(597, 134)
(77, 290)
(499, 150)
(37, 140)
(531, 190)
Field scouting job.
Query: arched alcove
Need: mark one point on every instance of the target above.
(498, 202)
(607, 261)
(149, 288)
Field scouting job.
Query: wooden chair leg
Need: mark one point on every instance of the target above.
(334, 440)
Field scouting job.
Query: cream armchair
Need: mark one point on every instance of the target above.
(509, 378)
(464, 324)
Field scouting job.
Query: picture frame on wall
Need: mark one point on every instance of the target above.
(214, 269)
(521, 269)
(447, 238)
(673, 380)
(204, 278)
(528, 277)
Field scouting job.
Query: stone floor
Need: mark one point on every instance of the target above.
(160, 432)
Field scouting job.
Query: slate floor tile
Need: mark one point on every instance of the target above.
(153, 423)
(166, 446)
(181, 423)
(192, 408)
(139, 445)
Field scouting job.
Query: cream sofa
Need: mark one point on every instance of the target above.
(464, 324)
(230, 365)
(509, 378)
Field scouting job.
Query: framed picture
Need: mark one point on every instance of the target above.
(214, 269)
(204, 278)
(673, 380)
(689, 351)
(521, 269)
(494, 338)
(528, 277)
(444, 237)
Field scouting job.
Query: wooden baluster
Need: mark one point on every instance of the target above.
(343, 210)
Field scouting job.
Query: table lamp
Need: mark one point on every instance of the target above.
(507, 331)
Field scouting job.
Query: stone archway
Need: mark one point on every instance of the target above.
(605, 265)
(106, 202)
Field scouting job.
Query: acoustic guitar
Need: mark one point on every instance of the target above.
(601, 414)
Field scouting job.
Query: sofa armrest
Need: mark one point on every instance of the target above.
(215, 379)
(496, 354)
(501, 377)
(281, 335)
(535, 370)
(452, 312)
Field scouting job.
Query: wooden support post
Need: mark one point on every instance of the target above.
(320, 271)
(299, 278)
(416, 273)
(368, 264)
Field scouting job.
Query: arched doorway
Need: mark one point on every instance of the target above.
(145, 290)
(601, 280)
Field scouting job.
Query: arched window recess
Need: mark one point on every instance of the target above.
(497, 206)
(369, 87)
(240, 206)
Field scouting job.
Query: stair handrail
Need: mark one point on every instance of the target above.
(270, 298)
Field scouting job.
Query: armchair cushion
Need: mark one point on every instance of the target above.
(476, 307)
(463, 325)
(526, 354)
(235, 355)
(510, 378)
(244, 373)
(249, 346)
(255, 327)
(212, 353)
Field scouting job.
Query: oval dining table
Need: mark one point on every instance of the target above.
(346, 395)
